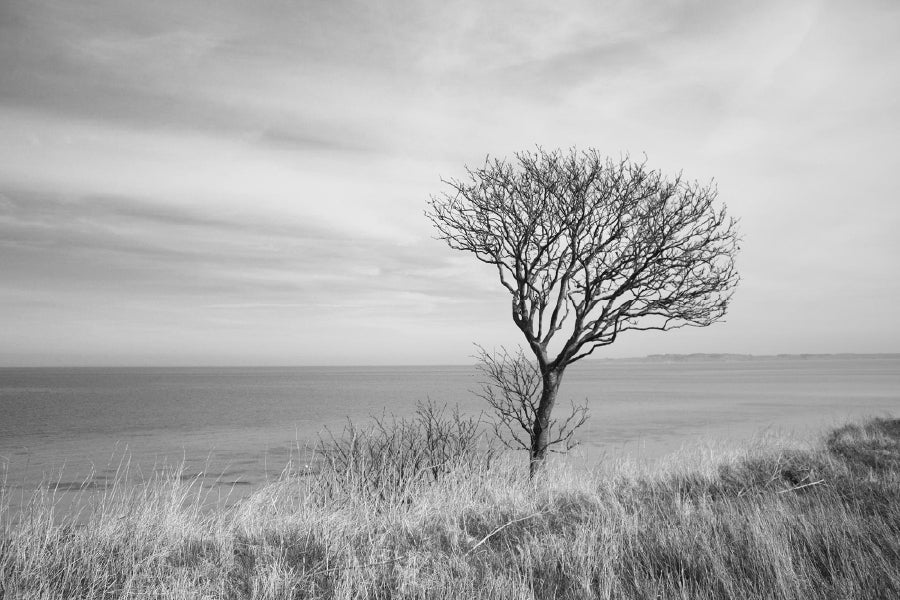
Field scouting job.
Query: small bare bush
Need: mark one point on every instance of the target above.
(511, 385)
(386, 458)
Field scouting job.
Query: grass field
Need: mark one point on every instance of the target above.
(381, 520)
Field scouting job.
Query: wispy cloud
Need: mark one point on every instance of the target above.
(132, 246)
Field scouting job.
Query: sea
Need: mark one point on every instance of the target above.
(73, 428)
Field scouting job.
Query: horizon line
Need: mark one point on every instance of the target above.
(655, 357)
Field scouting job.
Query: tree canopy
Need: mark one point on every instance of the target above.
(589, 248)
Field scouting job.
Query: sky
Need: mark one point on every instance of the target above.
(244, 183)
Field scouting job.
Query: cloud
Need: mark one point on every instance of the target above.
(132, 246)
(84, 275)
(166, 66)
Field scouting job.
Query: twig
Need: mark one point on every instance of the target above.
(397, 558)
(498, 530)
(800, 487)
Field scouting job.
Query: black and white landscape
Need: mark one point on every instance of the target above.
(462, 300)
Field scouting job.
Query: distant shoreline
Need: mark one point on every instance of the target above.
(718, 357)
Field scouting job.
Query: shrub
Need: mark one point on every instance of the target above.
(389, 456)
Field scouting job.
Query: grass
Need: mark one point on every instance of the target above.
(778, 520)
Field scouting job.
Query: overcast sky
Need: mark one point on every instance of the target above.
(242, 182)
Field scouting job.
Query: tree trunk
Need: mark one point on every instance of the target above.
(540, 432)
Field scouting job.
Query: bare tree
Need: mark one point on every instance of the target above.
(511, 386)
(589, 248)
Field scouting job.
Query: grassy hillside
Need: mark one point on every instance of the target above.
(776, 521)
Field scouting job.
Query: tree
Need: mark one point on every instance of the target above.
(590, 248)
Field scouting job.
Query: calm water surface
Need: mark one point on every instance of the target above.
(242, 425)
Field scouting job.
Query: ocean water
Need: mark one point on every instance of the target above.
(240, 426)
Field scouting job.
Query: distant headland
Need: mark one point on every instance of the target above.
(718, 357)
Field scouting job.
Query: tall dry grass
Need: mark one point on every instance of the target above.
(781, 521)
